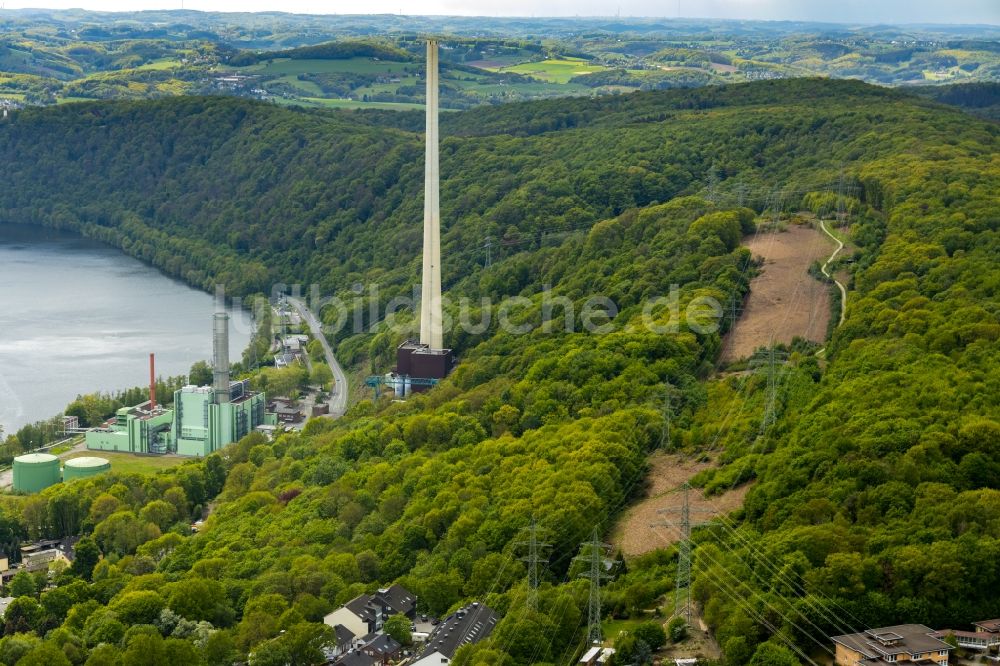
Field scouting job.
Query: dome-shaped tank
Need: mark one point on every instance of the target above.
(35, 471)
(81, 468)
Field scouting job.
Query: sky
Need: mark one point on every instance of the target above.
(839, 11)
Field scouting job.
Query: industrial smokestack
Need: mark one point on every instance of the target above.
(431, 329)
(152, 383)
(220, 357)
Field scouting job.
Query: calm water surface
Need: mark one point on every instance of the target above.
(77, 316)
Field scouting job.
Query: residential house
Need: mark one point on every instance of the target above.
(357, 616)
(469, 624)
(985, 636)
(988, 627)
(397, 600)
(38, 556)
(383, 648)
(345, 641)
(354, 658)
(970, 640)
(900, 644)
(366, 613)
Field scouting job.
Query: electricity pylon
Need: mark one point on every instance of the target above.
(772, 365)
(712, 186)
(595, 573)
(532, 559)
(682, 589)
(668, 413)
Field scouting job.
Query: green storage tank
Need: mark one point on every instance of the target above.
(35, 471)
(81, 468)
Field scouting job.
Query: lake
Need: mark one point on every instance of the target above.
(77, 316)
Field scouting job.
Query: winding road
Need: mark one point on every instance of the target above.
(843, 292)
(338, 394)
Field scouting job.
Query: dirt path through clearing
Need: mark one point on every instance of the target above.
(785, 301)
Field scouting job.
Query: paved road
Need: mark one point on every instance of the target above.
(338, 394)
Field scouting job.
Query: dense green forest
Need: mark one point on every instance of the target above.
(875, 493)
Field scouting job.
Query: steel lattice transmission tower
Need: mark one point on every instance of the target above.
(595, 557)
(682, 589)
(772, 365)
(667, 409)
(533, 558)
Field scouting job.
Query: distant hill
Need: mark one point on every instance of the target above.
(980, 99)
(328, 51)
(326, 61)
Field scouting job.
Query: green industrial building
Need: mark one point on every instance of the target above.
(197, 424)
(203, 419)
(35, 471)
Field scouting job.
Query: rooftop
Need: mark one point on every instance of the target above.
(398, 599)
(355, 658)
(344, 635)
(988, 625)
(899, 639)
(382, 645)
(958, 633)
(469, 624)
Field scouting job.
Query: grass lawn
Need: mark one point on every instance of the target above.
(127, 462)
(307, 87)
(612, 628)
(64, 447)
(556, 70)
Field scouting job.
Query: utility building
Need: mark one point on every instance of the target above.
(203, 418)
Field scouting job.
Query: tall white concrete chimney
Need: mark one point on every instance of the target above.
(220, 357)
(431, 328)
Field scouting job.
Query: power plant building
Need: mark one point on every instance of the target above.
(203, 419)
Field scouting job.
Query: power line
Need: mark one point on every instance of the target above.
(596, 557)
(772, 366)
(682, 589)
(533, 558)
(667, 409)
(733, 591)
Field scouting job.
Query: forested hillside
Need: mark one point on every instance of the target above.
(874, 488)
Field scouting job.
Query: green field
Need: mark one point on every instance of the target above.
(161, 64)
(555, 70)
(129, 463)
(611, 628)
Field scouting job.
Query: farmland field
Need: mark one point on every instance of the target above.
(556, 70)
